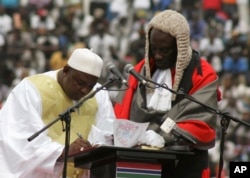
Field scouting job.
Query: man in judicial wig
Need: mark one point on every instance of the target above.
(170, 60)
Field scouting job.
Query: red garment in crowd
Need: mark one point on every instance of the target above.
(212, 5)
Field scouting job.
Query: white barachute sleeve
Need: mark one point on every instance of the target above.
(105, 114)
(102, 131)
(19, 119)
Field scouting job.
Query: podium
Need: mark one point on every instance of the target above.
(112, 162)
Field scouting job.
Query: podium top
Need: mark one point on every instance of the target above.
(108, 154)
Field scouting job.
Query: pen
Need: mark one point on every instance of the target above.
(79, 135)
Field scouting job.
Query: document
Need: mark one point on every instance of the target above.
(127, 133)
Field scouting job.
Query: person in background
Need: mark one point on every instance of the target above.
(37, 101)
(34, 58)
(211, 47)
(4, 92)
(170, 60)
(104, 44)
(60, 57)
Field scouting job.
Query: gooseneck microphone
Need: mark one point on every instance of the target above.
(129, 68)
(169, 126)
(113, 69)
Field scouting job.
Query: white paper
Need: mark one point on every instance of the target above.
(100, 137)
(127, 133)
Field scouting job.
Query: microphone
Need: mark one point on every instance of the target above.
(111, 67)
(169, 126)
(129, 68)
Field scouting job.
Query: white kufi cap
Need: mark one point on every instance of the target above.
(85, 60)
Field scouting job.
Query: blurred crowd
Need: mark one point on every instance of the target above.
(39, 35)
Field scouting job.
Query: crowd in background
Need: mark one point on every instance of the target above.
(39, 35)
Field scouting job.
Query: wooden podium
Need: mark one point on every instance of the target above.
(113, 162)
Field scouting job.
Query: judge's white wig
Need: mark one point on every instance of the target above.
(176, 25)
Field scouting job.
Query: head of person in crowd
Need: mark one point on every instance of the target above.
(42, 13)
(81, 73)
(168, 44)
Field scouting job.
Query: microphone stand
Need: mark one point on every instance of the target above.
(66, 116)
(224, 121)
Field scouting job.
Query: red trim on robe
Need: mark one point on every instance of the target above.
(206, 173)
(199, 129)
(122, 109)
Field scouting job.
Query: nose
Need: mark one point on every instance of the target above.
(157, 54)
(85, 90)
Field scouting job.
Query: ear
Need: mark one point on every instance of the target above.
(66, 70)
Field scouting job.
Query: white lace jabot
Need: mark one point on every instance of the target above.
(160, 99)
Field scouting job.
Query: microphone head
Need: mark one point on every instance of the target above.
(128, 68)
(109, 65)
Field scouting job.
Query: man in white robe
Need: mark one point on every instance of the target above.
(36, 101)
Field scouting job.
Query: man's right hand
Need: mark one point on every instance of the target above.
(76, 147)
